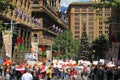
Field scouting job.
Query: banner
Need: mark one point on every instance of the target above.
(6, 40)
(35, 50)
(28, 56)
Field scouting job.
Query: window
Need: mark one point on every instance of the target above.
(83, 16)
(90, 18)
(77, 10)
(100, 23)
(77, 7)
(106, 32)
(100, 32)
(77, 32)
(90, 10)
(90, 32)
(100, 27)
(90, 37)
(107, 14)
(76, 36)
(106, 27)
(84, 9)
(107, 9)
(90, 15)
(77, 15)
(77, 23)
(90, 27)
(77, 27)
(77, 19)
(90, 23)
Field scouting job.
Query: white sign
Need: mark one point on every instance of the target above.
(95, 62)
(28, 56)
(102, 61)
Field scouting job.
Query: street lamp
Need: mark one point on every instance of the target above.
(11, 35)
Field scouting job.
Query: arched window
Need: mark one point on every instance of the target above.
(35, 37)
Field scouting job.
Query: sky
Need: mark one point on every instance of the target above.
(67, 2)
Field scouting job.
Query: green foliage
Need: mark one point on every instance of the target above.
(4, 6)
(99, 46)
(66, 43)
(108, 3)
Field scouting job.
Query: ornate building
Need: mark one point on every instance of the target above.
(37, 21)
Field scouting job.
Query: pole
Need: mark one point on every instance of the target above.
(11, 35)
(51, 57)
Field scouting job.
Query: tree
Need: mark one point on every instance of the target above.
(4, 6)
(64, 42)
(99, 46)
(114, 4)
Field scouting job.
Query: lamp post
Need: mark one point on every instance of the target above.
(11, 35)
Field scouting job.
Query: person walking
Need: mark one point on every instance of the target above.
(35, 75)
(7, 76)
(27, 75)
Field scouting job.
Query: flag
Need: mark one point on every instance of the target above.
(61, 31)
(21, 14)
(33, 19)
(43, 48)
(19, 40)
(37, 23)
(62, 52)
(53, 27)
(55, 54)
(17, 12)
(34, 50)
(56, 29)
(24, 15)
(22, 47)
(6, 39)
(29, 19)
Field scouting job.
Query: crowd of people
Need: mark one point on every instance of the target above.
(59, 70)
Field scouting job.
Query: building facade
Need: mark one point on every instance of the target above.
(38, 22)
(95, 20)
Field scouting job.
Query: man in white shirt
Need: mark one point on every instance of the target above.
(27, 75)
